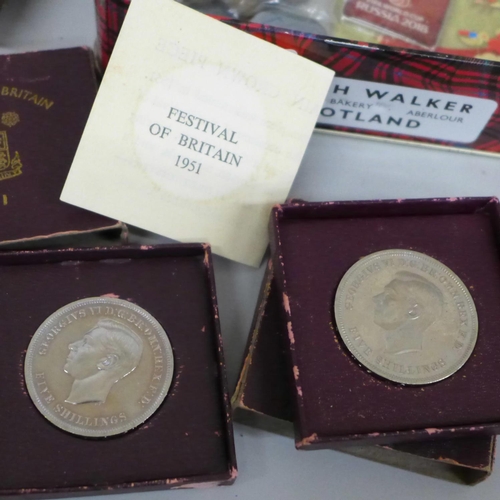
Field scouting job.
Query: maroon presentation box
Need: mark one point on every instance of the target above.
(337, 400)
(263, 399)
(188, 441)
(45, 100)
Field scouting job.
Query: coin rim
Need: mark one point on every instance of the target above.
(338, 311)
(31, 352)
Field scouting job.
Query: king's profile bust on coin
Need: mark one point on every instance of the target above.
(406, 316)
(407, 307)
(105, 355)
(99, 366)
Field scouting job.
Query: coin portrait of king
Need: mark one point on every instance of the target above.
(407, 307)
(106, 354)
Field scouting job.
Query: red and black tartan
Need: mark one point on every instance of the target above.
(366, 62)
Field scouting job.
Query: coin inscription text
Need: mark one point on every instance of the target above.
(406, 316)
(99, 366)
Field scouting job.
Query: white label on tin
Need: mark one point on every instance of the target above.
(402, 110)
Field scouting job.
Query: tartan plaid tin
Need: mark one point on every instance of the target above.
(403, 68)
(110, 16)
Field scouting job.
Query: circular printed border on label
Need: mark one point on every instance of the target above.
(201, 144)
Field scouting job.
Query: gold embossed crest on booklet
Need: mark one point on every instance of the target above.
(99, 367)
(406, 317)
(10, 165)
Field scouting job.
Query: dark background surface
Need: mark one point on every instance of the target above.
(335, 167)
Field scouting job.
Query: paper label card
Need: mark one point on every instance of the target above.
(197, 130)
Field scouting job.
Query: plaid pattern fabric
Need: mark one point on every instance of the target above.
(362, 61)
(408, 68)
(110, 16)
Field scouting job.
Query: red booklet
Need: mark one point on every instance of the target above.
(419, 21)
(45, 99)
